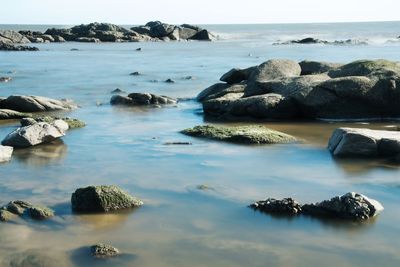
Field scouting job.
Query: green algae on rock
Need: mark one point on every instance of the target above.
(255, 134)
(102, 199)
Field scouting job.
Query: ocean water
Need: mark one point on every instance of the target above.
(180, 225)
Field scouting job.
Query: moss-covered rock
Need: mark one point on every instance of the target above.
(102, 199)
(255, 134)
(40, 213)
(103, 251)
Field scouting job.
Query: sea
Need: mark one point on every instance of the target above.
(196, 196)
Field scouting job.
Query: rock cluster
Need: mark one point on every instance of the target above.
(141, 99)
(23, 208)
(354, 142)
(240, 134)
(350, 206)
(102, 199)
(11, 47)
(284, 89)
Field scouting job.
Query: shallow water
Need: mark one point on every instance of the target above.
(180, 225)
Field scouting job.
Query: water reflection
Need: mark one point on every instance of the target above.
(42, 154)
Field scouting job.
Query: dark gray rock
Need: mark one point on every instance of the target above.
(5, 79)
(141, 99)
(351, 206)
(317, 67)
(8, 114)
(203, 35)
(102, 199)
(10, 47)
(286, 206)
(35, 104)
(237, 75)
(40, 213)
(103, 251)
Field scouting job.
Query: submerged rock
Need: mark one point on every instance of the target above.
(35, 134)
(8, 114)
(102, 199)
(271, 205)
(40, 213)
(35, 104)
(5, 79)
(141, 99)
(355, 142)
(352, 206)
(103, 251)
(6, 216)
(5, 153)
(20, 207)
(240, 134)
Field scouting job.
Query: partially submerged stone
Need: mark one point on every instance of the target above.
(35, 104)
(5, 153)
(72, 123)
(103, 251)
(35, 134)
(102, 199)
(6, 216)
(141, 99)
(5, 79)
(286, 206)
(241, 134)
(8, 114)
(352, 206)
(357, 142)
(20, 208)
(40, 213)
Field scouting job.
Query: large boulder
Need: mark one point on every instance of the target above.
(13, 37)
(8, 114)
(141, 99)
(5, 153)
(219, 90)
(240, 134)
(351, 206)
(102, 199)
(35, 104)
(354, 142)
(35, 134)
(203, 35)
(275, 69)
(237, 75)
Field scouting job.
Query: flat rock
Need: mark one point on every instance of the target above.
(102, 199)
(5, 153)
(240, 134)
(35, 104)
(8, 114)
(141, 99)
(355, 142)
(35, 134)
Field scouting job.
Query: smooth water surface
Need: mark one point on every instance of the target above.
(180, 225)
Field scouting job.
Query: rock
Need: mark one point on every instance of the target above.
(351, 206)
(276, 206)
(35, 134)
(354, 142)
(139, 99)
(186, 33)
(10, 47)
(136, 73)
(5, 153)
(169, 81)
(87, 40)
(5, 79)
(71, 123)
(275, 69)
(102, 199)
(35, 104)
(316, 67)
(6, 216)
(139, 49)
(117, 91)
(18, 207)
(219, 90)
(240, 134)
(177, 143)
(27, 121)
(311, 40)
(103, 251)
(40, 213)
(203, 35)
(8, 114)
(13, 37)
(366, 67)
(237, 75)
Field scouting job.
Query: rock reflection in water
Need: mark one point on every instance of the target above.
(104, 221)
(42, 154)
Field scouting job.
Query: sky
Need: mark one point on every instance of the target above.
(196, 11)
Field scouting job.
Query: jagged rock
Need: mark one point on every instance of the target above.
(5, 153)
(284, 206)
(139, 99)
(354, 142)
(102, 199)
(35, 104)
(240, 134)
(104, 251)
(351, 206)
(35, 134)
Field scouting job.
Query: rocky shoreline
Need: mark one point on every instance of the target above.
(104, 32)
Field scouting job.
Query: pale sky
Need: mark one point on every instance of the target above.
(196, 11)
